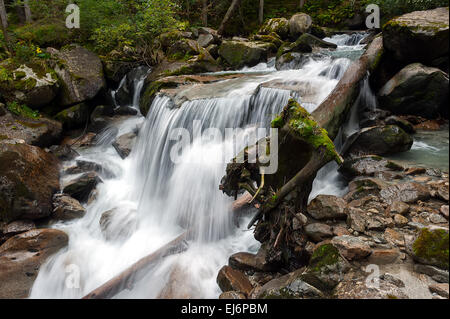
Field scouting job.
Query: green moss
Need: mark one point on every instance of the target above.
(433, 246)
(278, 122)
(324, 256)
(307, 129)
(22, 110)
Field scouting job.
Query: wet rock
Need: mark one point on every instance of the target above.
(393, 280)
(82, 186)
(289, 286)
(66, 208)
(41, 131)
(400, 220)
(238, 54)
(124, 144)
(405, 192)
(280, 26)
(318, 232)
(118, 224)
(327, 207)
(356, 219)
(74, 117)
(393, 237)
(100, 118)
(437, 219)
(205, 40)
(232, 295)
(326, 267)
(230, 279)
(439, 289)
(416, 90)
(352, 248)
(383, 256)
(28, 179)
(14, 228)
(246, 261)
(430, 247)
(402, 123)
(435, 273)
(64, 152)
(444, 210)
(398, 208)
(359, 290)
(81, 74)
(418, 36)
(380, 140)
(299, 24)
(312, 41)
(83, 166)
(21, 257)
(367, 165)
(85, 140)
(125, 110)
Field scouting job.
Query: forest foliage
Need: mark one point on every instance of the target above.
(113, 24)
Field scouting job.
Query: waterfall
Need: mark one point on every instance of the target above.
(153, 199)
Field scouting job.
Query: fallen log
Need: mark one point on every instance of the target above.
(332, 112)
(136, 271)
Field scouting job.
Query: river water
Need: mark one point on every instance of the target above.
(154, 199)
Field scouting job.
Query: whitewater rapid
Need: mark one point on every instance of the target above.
(155, 200)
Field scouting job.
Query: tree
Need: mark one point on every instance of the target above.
(233, 6)
(302, 3)
(205, 13)
(261, 11)
(4, 22)
(27, 11)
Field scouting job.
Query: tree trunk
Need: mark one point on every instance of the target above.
(228, 15)
(126, 279)
(27, 10)
(261, 11)
(302, 3)
(4, 22)
(205, 13)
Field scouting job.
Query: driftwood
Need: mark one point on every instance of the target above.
(136, 271)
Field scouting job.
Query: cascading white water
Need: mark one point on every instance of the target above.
(154, 199)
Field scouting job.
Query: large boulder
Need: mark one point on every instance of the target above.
(21, 257)
(35, 87)
(418, 36)
(299, 23)
(230, 279)
(279, 26)
(238, 54)
(416, 90)
(28, 179)
(38, 131)
(380, 140)
(81, 74)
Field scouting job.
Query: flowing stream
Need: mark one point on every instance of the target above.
(152, 199)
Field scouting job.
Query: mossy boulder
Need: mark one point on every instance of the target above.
(29, 177)
(420, 36)
(238, 54)
(416, 90)
(431, 247)
(325, 267)
(33, 129)
(74, 117)
(312, 41)
(379, 140)
(35, 85)
(80, 72)
(280, 26)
